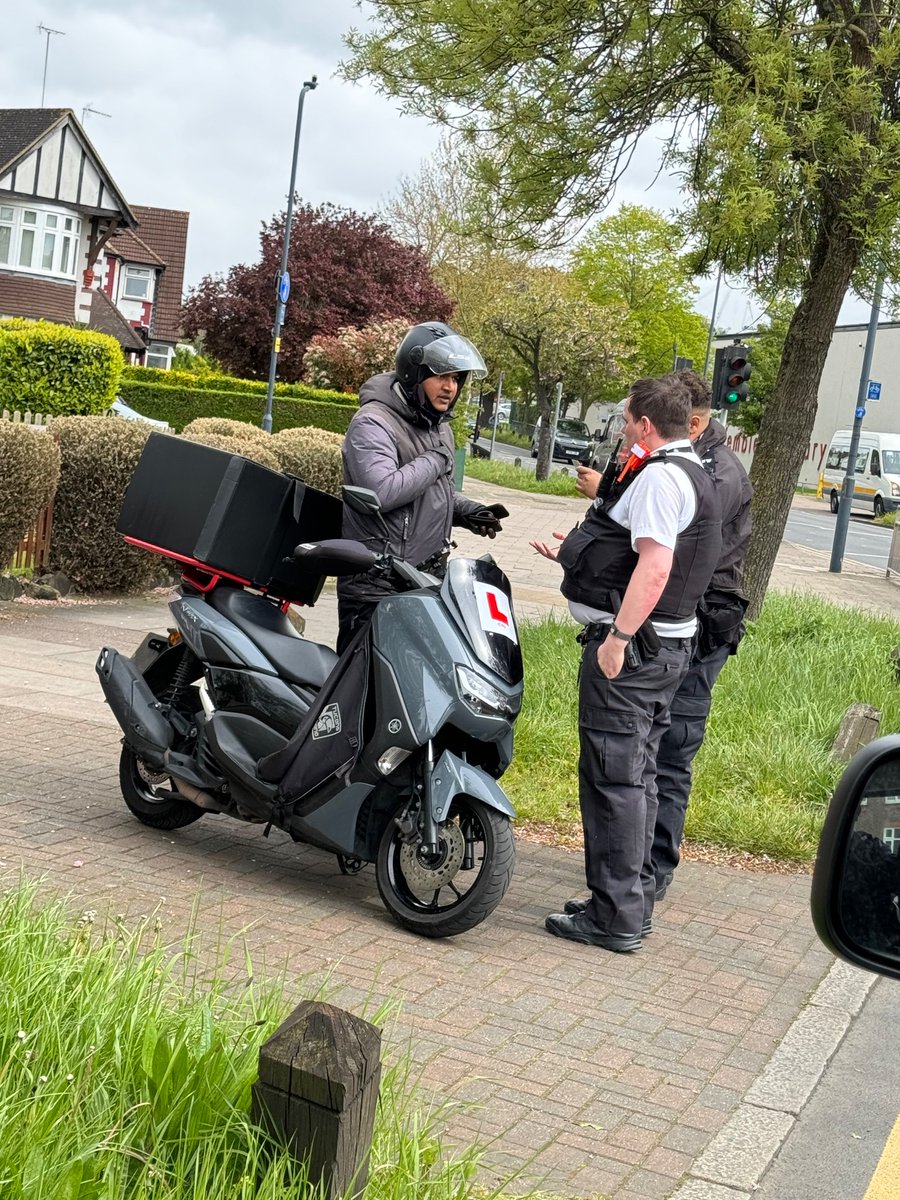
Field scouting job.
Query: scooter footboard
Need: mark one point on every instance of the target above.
(134, 706)
(453, 777)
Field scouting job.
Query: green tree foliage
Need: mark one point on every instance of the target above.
(784, 120)
(555, 332)
(632, 259)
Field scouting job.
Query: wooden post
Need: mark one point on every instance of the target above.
(319, 1074)
(859, 726)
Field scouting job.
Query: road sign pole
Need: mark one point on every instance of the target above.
(843, 514)
(284, 287)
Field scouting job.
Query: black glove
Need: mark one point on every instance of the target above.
(485, 521)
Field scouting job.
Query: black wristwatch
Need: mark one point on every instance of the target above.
(617, 633)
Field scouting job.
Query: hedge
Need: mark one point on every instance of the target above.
(231, 383)
(181, 405)
(29, 473)
(60, 370)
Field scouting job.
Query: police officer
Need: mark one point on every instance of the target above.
(721, 627)
(634, 573)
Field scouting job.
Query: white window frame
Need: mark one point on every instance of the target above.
(890, 835)
(52, 232)
(158, 351)
(142, 274)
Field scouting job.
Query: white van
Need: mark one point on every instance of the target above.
(876, 485)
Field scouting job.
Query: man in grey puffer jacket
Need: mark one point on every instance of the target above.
(400, 445)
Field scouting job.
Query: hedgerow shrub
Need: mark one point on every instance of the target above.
(98, 456)
(249, 447)
(314, 455)
(57, 369)
(224, 427)
(217, 382)
(29, 473)
(181, 405)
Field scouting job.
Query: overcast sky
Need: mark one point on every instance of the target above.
(202, 97)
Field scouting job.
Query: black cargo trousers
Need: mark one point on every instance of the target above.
(621, 722)
(677, 751)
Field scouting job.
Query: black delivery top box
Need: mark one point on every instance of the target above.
(223, 513)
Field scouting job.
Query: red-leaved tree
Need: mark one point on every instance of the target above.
(345, 268)
(345, 360)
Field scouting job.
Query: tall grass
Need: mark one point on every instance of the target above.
(764, 775)
(125, 1074)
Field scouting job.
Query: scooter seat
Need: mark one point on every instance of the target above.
(298, 660)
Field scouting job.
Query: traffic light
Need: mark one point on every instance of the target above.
(730, 374)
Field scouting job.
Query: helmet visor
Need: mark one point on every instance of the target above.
(448, 355)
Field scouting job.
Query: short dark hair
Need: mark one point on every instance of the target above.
(665, 402)
(701, 392)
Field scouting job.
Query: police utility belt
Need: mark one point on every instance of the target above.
(643, 646)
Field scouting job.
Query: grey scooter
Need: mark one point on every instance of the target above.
(389, 754)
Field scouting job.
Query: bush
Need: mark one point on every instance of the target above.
(98, 456)
(181, 405)
(29, 473)
(57, 369)
(346, 359)
(314, 455)
(249, 447)
(217, 382)
(223, 427)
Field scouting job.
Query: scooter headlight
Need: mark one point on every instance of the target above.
(482, 697)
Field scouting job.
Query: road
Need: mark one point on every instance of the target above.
(833, 1151)
(866, 543)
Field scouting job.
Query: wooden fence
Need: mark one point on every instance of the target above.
(33, 551)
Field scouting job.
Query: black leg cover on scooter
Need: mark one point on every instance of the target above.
(330, 737)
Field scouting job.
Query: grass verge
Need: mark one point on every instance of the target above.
(520, 478)
(126, 1068)
(764, 775)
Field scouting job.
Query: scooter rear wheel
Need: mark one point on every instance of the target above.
(442, 896)
(147, 797)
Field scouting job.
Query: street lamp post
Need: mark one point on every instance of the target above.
(283, 283)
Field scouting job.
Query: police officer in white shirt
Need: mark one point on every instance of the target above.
(634, 572)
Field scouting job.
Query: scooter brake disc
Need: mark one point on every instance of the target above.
(153, 779)
(424, 880)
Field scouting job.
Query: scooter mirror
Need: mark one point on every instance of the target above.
(360, 499)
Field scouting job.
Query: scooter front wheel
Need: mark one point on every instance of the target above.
(439, 895)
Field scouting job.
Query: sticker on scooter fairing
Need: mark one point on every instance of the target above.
(329, 722)
(494, 610)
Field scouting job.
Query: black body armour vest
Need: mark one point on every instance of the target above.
(598, 561)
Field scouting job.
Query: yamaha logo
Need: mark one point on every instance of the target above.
(394, 726)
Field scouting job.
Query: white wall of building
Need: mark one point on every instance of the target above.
(838, 391)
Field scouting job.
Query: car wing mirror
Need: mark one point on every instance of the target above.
(855, 898)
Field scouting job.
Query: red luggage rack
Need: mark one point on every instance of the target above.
(226, 518)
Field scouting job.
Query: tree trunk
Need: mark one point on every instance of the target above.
(788, 418)
(545, 416)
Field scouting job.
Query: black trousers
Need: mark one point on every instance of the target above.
(620, 724)
(674, 760)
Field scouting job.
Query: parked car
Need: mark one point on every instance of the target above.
(573, 440)
(855, 897)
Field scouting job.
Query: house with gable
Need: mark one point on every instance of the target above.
(72, 250)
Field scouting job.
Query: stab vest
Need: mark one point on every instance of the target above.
(598, 561)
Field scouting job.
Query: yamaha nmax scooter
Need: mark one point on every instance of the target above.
(388, 754)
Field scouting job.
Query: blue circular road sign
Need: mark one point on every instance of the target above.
(284, 287)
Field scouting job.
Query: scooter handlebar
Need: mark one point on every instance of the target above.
(337, 556)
